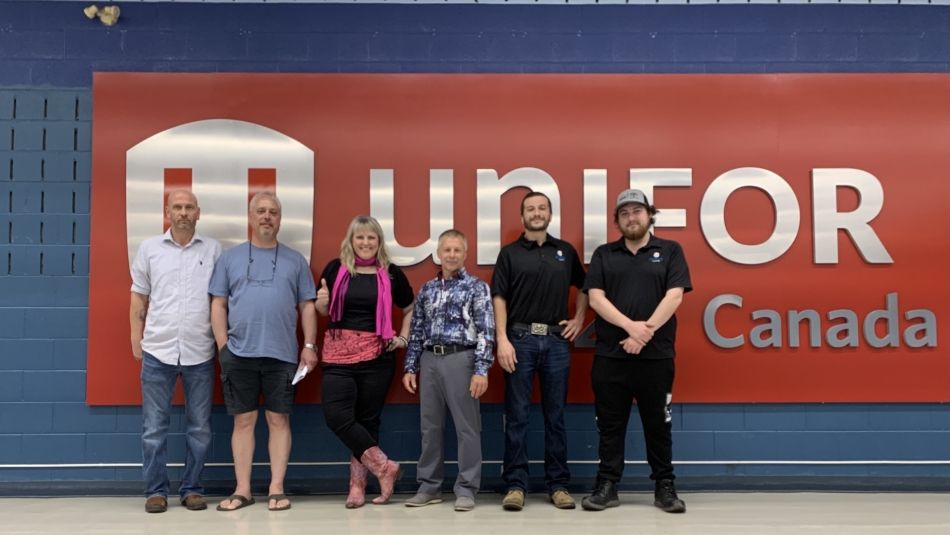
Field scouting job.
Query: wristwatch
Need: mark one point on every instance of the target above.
(308, 345)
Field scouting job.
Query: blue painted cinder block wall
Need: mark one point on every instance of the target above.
(50, 439)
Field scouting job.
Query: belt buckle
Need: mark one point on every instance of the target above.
(539, 329)
(438, 349)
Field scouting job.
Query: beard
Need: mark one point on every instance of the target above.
(184, 224)
(266, 232)
(536, 224)
(634, 232)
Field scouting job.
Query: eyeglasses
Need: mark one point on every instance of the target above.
(250, 260)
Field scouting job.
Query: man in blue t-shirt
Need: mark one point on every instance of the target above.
(258, 288)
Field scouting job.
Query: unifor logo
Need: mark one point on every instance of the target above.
(223, 161)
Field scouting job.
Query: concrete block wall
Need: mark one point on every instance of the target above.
(50, 439)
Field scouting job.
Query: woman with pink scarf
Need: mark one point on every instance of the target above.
(358, 291)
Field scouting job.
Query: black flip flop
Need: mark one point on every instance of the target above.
(277, 498)
(244, 502)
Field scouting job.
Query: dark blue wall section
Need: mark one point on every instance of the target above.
(53, 44)
(50, 439)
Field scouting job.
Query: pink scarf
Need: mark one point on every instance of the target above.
(384, 297)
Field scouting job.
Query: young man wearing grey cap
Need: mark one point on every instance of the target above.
(635, 285)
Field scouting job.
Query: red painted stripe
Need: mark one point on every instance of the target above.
(259, 180)
(174, 179)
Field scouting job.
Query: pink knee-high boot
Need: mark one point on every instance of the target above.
(385, 470)
(357, 496)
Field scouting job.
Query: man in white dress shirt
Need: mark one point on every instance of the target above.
(171, 336)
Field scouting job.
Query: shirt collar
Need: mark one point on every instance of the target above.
(619, 245)
(462, 274)
(530, 244)
(194, 239)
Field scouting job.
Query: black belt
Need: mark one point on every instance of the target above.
(538, 328)
(447, 349)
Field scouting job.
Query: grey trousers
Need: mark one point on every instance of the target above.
(444, 384)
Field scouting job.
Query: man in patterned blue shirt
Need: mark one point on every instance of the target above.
(450, 344)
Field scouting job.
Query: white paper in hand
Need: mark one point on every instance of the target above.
(302, 371)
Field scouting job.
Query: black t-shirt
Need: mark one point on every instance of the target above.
(359, 303)
(535, 280)
(635, 284)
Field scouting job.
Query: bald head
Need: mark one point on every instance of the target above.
(181, 195)
(182, 211)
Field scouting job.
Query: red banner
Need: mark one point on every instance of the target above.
(813, 209)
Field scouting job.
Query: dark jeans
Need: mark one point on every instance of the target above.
(616, 383)
(548, 356)
(353, 399)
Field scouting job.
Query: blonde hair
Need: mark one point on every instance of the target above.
(454, 233)
(348, 255)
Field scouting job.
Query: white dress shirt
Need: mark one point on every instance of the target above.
(175, 279)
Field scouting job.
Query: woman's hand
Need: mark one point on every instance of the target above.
(397, 343)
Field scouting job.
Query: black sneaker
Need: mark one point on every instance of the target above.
(604, 496)
(665, 497)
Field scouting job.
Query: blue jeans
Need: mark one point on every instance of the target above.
(550, 357)
(158, 386)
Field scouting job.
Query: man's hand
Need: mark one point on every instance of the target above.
(137, 350)
(506, 355)
(478, 386)
(409, 383)
(572, 328)
(219, 321)
(640, 332)
(138, 308)
(631, 346)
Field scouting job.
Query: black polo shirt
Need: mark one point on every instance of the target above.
(635, 284)
(535, 280)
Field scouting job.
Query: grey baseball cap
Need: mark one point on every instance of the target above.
(632, 195)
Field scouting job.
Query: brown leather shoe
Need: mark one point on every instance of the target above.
(562, 499)
(156, 504)
(195, 502)
(514, 500)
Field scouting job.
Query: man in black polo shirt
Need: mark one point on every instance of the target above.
(530, 288)
(635, 285)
